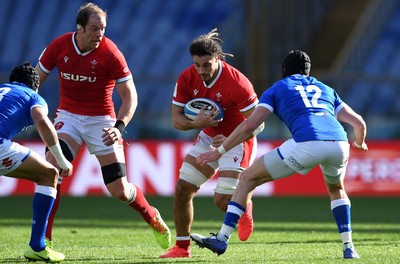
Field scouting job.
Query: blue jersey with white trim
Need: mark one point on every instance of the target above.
(307, 106)
(16, 102)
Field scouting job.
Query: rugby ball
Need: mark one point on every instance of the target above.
(193, 107)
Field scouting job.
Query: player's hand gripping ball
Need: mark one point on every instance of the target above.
(193, 108)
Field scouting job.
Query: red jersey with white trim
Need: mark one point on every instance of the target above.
(87, 79)
(231, 89)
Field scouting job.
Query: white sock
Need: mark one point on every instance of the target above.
(224, 232)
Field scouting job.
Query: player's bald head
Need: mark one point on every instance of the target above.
(87, 10)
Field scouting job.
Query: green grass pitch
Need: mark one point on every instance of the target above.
(287, 230)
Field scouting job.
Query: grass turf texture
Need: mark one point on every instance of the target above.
(287, 230)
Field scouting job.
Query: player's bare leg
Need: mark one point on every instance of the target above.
(183, 217)
(69, 147)
(254, 176)
(133, 196)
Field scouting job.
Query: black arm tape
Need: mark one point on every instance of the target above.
(120, 125)
(113, 172)
(65, 150)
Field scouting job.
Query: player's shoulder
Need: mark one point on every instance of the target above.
(64, 38)
(23, 92)
(230, 72)
(189, 74)
(61, 43)
(108, 44)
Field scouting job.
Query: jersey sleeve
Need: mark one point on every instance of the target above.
(180, 96)
(37, 100)
(47, 60)
(267, 100)
(247, 97)
(119, 67)
(338, 103)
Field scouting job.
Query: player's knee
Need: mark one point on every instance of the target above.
(119, 193)
(224, 191)
(333, 181)
(222, 200)
(52, 173)
(113, 172)
(122, 191)
(185, 190)
(49, 178)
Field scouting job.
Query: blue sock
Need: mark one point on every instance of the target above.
(342, 217)
(234, 212)
(42, 205)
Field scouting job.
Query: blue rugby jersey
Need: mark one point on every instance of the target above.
(16, 102)
(307, 107)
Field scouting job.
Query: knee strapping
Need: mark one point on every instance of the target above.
(226, 185)
(192, 175)
(113, 172)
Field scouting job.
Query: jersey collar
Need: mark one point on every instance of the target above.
(77, 48)
(216, 77)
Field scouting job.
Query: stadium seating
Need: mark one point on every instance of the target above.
(155, 35)
(374, 95)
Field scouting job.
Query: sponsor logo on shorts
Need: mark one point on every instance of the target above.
(295, 163)
(235, 159)
(59, 125)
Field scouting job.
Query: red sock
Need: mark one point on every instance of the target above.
(52, 215)
(183, 244)
(141, 205)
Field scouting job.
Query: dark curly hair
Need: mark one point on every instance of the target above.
(27, 75)
(296, 62)
(208, 45)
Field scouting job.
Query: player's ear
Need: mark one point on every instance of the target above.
(78, 27)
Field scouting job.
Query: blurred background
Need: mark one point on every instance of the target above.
(352, 45)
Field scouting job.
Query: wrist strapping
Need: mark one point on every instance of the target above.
(221, 150)
(120, 125)
(57, 153)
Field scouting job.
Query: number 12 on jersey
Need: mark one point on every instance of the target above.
(316, 95)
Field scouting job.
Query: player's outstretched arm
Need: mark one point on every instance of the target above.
(349, 116)
(242, 133)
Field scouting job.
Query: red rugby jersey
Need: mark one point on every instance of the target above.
(87, 79)
(231, 89)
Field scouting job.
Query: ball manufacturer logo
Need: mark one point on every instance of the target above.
(199, 105)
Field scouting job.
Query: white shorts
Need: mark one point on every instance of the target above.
(236, 159)
(292, 157)
(88, 129)
(12, 155)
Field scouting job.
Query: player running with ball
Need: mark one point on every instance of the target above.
(211, 77)
(312, 111)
